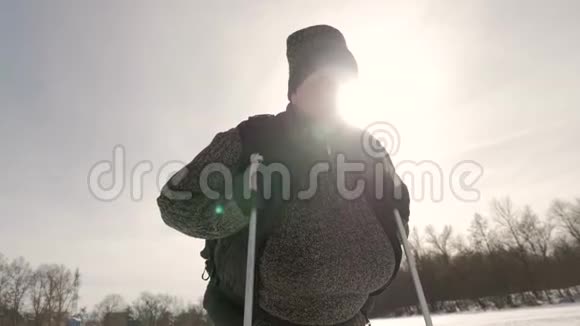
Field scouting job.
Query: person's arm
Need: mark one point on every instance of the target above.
(395, 193)
(185, 206)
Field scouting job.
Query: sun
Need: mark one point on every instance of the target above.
(399, 83)
(358, 104)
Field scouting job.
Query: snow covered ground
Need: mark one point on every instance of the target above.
(557, 315)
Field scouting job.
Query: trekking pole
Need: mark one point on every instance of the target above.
(413, 268)
(255, 160)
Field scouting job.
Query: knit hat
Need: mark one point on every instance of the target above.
(315, 47)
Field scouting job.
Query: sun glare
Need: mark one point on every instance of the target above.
(394, 83)
(358, 105)
(349, 101)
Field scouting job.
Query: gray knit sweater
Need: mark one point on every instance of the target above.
(321, 264)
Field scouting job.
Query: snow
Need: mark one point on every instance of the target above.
(558, 315)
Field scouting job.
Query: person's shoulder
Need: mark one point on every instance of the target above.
(260, 120)
(256, 121)
(262, 123)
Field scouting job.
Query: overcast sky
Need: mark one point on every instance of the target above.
(496, 82)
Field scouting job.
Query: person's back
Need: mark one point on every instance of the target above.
(323, 247)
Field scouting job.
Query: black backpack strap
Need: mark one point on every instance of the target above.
(257, 134)
(268, 222)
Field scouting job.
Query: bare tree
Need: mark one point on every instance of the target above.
(150, 308)
(506, 217)
(536, 234)
(169, 304)
(60, 291)
(3, 280)
(458, 245)
(18, 274)
(147, 309)
(84, 314)
(416, 245)
(36, 295)
(67, 290)
(567, 216)
(48, 293)
(440, 242)
(480, 235)
(111, 303)
(522, 237)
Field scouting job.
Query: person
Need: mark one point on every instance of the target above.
(321, 256)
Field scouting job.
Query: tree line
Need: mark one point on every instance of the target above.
(42, 296)
(147, 310)
(511, 252)
(48, 296)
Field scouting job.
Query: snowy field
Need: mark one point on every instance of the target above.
(559, 315)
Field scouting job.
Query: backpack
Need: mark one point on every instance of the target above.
(224, 298)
